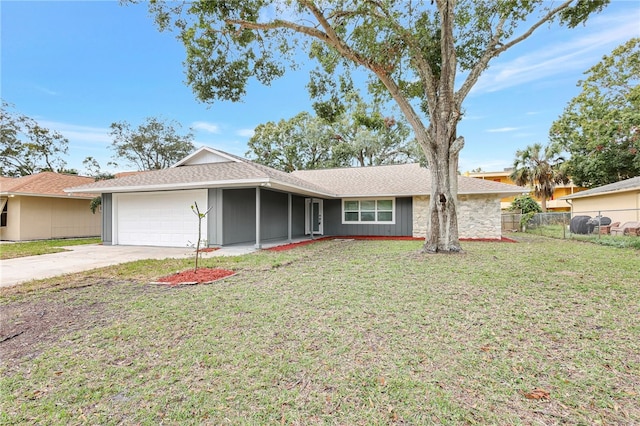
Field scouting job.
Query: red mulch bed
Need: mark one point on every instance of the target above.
(381, 238)
(202, 275)
(208, 249)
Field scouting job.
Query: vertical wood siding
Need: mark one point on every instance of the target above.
(239, 216)
(274, 212)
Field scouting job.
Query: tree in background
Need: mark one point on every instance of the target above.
(27, 148)
(411, 51)
(153, 145)
(527, 206)
(360, 136)
(299, 143)
(94, 170)
(371, 138)
(600, 127)
(541, 169)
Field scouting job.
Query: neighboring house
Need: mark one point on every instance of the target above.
(619, 201)
(252, 203)
(555, 204)
(36, 207)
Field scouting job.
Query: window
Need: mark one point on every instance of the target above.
(3, 216)
(368, 211)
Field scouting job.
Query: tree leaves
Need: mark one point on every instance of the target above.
(27, 148)
(363, 136)
(541, 169)
(153, 145)
(600, 127)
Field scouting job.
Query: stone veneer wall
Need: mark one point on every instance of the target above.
(479, 216)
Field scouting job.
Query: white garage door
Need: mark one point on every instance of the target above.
(158, 218)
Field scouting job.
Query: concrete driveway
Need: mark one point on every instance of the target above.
(86, 257)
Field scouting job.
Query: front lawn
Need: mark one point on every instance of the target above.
(337, 332)
(33, 248)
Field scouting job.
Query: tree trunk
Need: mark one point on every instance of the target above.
(442, 223)
(543, 204)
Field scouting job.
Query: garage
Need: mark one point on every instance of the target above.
(158, 218)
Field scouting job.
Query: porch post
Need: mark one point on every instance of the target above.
(311, 217)
(219, 216)
(258, 243)
(289, 217)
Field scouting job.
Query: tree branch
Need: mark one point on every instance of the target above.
(493, 50)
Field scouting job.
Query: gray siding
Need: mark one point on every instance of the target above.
(239, 216)
(297, 216)
(403, 226)
(107, 219)
(214, 217)
(274, 212)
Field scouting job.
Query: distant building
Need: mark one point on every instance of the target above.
(35, 207)
(554, 204)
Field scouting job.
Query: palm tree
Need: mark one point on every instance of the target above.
(541, 169)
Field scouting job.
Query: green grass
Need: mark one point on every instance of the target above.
(33, 248)
(360, 332)
(560, 231)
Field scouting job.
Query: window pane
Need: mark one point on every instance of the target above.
(351, 216)
(351, 205)
(385, 205)
(368, 216)
(384, 216)
(368, 205)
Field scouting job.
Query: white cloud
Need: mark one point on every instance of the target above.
(207, 127)
(47, 91)
(245, 133)
(78, 133)
(503, 130)
(468, 164)
(573, 55)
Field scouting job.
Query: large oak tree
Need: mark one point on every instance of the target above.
(412, 50)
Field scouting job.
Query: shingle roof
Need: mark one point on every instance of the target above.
(393, 180)
(212, 175)
(44, 183)
(397, 180)
(623, 185)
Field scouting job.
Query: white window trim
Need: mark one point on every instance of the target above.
(376, 222)
(4, 203)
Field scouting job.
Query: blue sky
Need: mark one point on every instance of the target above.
(78, 66)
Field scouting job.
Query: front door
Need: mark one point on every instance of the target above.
(313, 216)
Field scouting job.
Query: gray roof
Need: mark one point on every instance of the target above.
(395, 180)
(228, 171)
(220, 174)
(623, 185)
